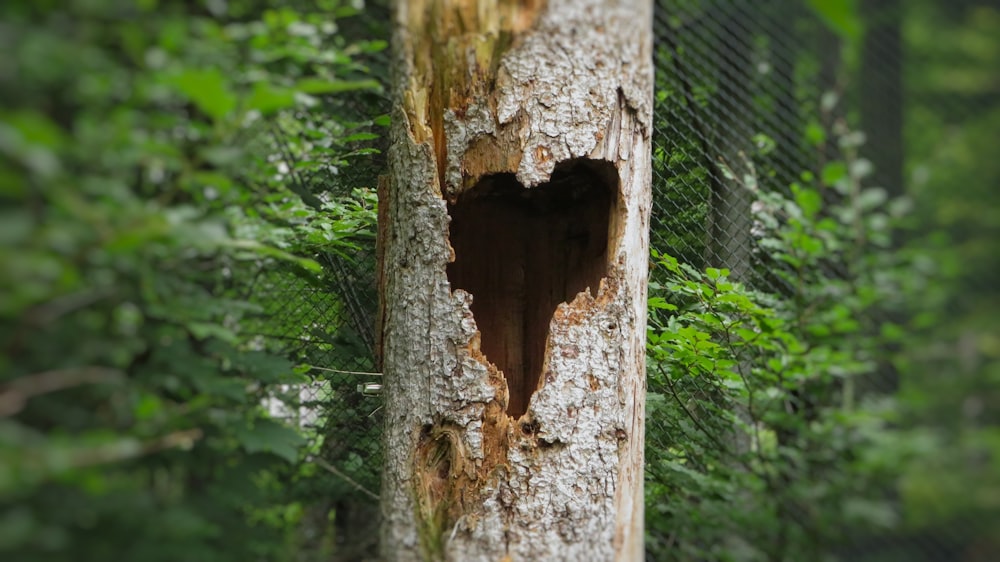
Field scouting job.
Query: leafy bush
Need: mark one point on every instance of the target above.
(145, 157)
(768, 439)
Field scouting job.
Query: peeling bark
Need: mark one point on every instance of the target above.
(513, 248)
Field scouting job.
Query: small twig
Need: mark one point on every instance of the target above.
(117, 451)
(176, 440)
(52, 310)
(697, 423)
(18, 391)
(454, 529)
(754, 419)
(366, 373)
(297, 185)
(330, 468)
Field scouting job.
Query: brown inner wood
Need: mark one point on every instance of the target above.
(520, 252)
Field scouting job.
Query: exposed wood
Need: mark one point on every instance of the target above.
(521, 253)
(513, 272)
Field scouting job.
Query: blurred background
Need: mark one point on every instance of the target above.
(188, 294)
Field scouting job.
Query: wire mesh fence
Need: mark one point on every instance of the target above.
(737, 83)
(779, 87)
(738, 87)
(325, 325)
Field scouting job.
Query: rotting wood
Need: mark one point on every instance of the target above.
(521, 252)
(514, 388)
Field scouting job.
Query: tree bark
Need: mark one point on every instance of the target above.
(514, 251)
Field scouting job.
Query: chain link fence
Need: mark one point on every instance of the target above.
(325, 324)
(735, 81)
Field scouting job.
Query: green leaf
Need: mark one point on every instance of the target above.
(833, 172)
(872, 197)
(374, 46)
(203, 330)
(839, 15)
(809, 201)
(33, 127)
(267, 98)
(661, 303)
(357, 137)
(320, 86)
(815, 134)
(270, 436)
(208, 89)
(764, 144)
(270, 251)
(267, 368)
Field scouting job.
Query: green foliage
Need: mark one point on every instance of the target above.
(766, 439)
(841, 15)
(685, 180)
(953, 394)
(145, 157)
(830, 255)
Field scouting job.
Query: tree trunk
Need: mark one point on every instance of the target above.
(513, 268)
(730, 220)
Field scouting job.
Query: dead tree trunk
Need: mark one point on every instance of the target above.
(513, 274)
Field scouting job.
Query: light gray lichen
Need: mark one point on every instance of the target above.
(564, 79)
